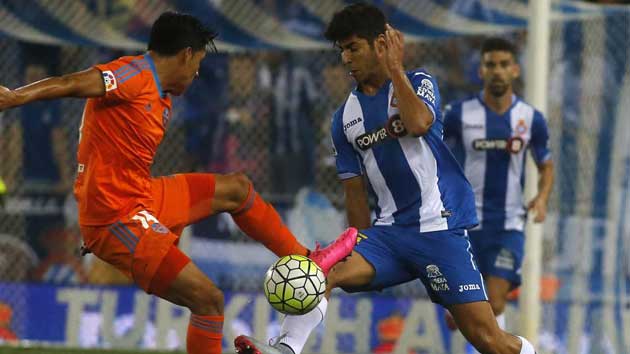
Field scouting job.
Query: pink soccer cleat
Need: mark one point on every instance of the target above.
(249, 345)
(341, 248)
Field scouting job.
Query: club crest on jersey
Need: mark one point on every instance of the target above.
(159, 228)
(166, 116)
(109, 80)
(521, 127)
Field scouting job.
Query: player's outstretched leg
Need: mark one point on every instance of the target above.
(234, 193)
(477, 323)
(188, 286)
(355, 272)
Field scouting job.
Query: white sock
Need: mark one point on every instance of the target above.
(526, 346)
(298, 328)
(501, 321)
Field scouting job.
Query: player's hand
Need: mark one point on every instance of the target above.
(393, 54)
(7, 98)
(539, 206)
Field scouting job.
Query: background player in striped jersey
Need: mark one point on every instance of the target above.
(133, 221)
(388, 133)
(489, 134)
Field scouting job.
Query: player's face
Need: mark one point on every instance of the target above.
(189, 70)
(358, 57)
(498, 70)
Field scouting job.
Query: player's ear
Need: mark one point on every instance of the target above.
(517, 70)
(187, 54)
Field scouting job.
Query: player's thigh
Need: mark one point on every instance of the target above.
(499, 254)
(353, 272)
(183, 199)
(380, 262)
(446, 266)
(138, 245)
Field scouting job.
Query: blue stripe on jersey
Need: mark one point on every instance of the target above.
(453, 132)
(496, 174)
(128, 76)
(155, 75)
(461, 200)
(393, 164)
(348, 162)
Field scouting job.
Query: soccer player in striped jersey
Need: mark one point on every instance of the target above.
(132, 220)
(388, 135)
(489, 134)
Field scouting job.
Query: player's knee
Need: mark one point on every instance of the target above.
(489, 341)
(206, 300)
(486, 342)
(238, 189)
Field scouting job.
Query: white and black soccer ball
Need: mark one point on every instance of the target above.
(294, 285)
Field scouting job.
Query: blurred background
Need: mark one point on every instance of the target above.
(263, 105)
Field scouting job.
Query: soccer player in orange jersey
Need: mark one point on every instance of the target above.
(133, 221)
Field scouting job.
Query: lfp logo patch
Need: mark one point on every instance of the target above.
(110, 81)
(159, 228)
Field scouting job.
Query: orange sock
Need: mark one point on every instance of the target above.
(260, 221)
(204, 334)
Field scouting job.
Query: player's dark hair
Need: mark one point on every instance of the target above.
(174, 31)
(360, 19)
(493, 44)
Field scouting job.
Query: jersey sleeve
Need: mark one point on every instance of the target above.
(123, 81)
(346, 158)
(452, 123)
(540, 139)
(426, 88)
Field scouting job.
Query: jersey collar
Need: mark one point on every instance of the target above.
(515, 99)
(147, 56)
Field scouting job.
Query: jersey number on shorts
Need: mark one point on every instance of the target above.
(145, 218)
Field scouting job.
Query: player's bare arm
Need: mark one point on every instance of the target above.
(545, 183)
(413, 112)
(357, 207)
(86, 83)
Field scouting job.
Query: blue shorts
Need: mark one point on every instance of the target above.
(442, 260)
(499, 253)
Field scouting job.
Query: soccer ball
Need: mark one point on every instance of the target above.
(294, 285)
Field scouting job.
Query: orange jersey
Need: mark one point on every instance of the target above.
(119, 136)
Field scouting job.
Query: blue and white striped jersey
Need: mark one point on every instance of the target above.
(491, 149)
(416, 180)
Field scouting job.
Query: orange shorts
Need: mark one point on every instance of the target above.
(142, 244)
